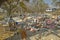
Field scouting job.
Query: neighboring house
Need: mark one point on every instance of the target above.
(51, 9)
(48, 9)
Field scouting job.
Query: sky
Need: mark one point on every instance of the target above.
(48, 2)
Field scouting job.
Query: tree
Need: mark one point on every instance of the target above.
(25, 7)
(40, 6)
(56, 3)
(35, 6)
(9, 6)
(2, 1)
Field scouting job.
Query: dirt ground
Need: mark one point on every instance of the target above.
(4, 34)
